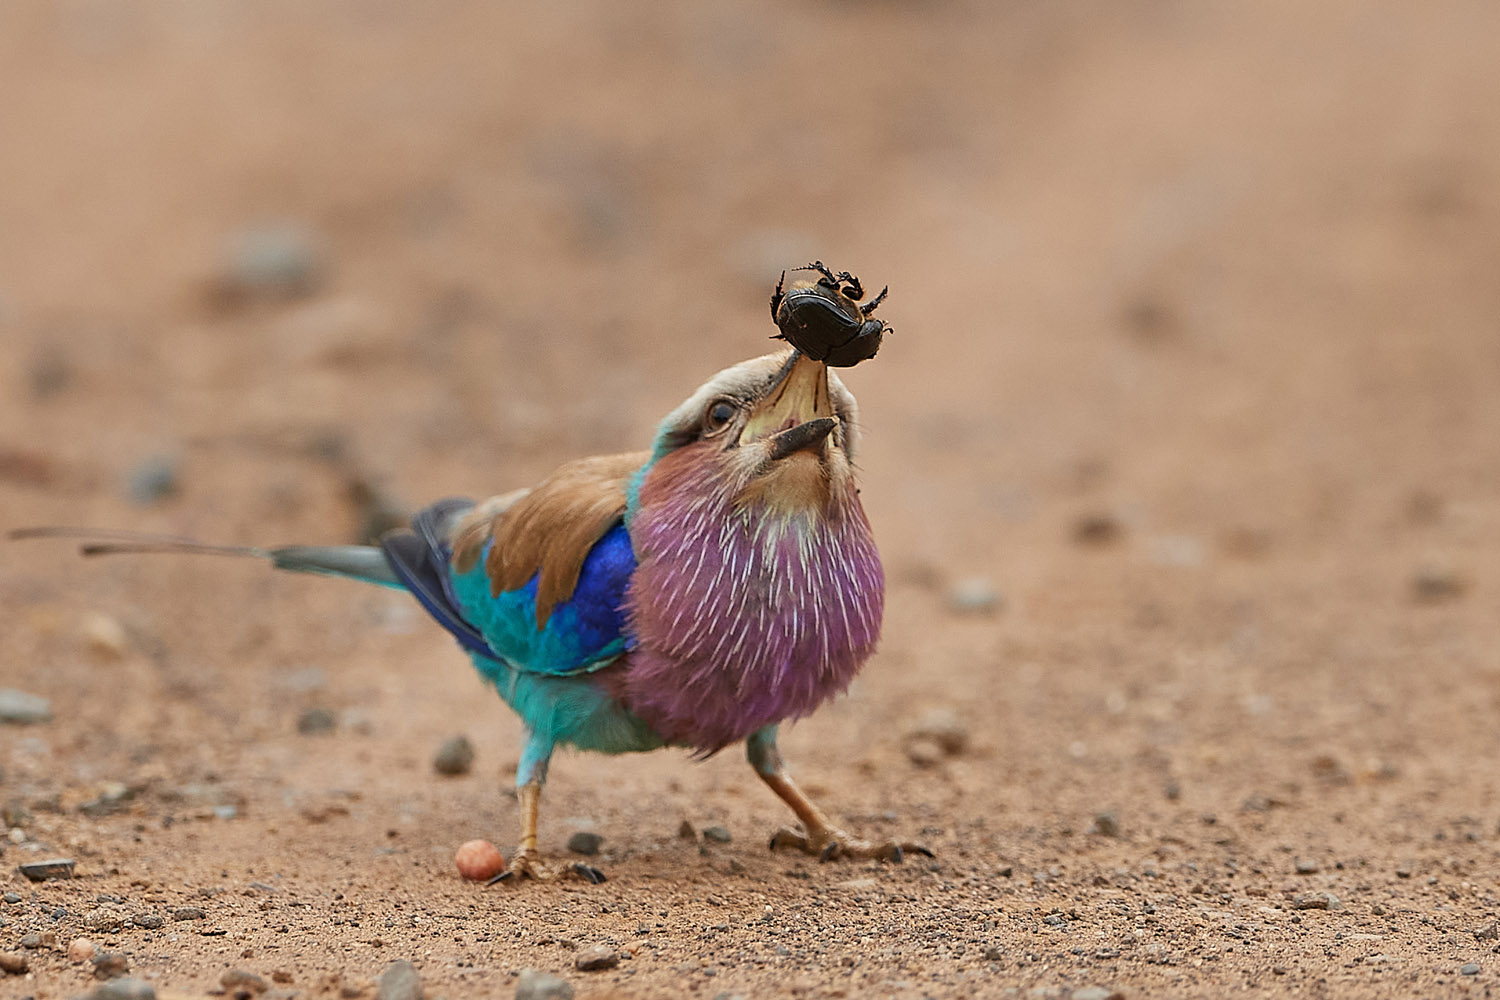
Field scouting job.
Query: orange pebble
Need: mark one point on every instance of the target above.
(479, 861)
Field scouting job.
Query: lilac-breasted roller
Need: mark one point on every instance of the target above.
(693, 595)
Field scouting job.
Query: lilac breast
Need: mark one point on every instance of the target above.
(742, 617)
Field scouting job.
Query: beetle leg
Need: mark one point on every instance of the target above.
(855, 291)
(778, 295)
(869, 306)
(829, 279)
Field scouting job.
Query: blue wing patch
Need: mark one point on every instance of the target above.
(583, 633)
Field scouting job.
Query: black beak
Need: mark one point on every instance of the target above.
(804, 435)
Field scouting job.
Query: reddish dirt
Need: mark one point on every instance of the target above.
(1196, 361)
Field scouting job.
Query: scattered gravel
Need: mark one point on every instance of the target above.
(586, 843)
(596, 958)
(454, 757)
(542, 986)
(17, 708)
(399, 981)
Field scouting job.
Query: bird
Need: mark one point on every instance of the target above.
(696, 594)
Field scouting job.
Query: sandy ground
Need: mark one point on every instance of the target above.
(1196, 371)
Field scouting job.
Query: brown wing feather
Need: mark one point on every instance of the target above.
(548, 530)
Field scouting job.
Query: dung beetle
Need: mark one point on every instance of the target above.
(825, 320)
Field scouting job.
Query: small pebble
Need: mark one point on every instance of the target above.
(104, 636)
(585, 842)
(148, 921)
(271, 262)
(686, 831)
(17, 708)
(13, 963)
(12, 897)
(718, 834)
(1096, 993)
(1106, 824)
(994, 954)
(943, 727)
(1431, 585)
(1097, 529)
(110, 965)
(399, 981)
(454, 757)
(32, 941)
(188, 913)
(1316, 901)
(104, 918)
(535, 985)
(41, 871)
(80, 950)
(1469, 969)
(1488, 932)
(923, 752)
(152, 480)
(126, 988)
(479, 861)
(281, 976)
(1306, 866)
(316, 722)
(596, 958)
(241, 981)
(974, 596)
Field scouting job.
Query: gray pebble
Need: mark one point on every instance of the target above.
(1106, 824)
(104, 918)
(12, 897)
(1316, 901)
(147, 921)
(21, 709)
(717, 834)
(585, 842)
(1306, 866)
(399, 981)
(974, 596)
(110, 965)
(188, 913)
(31, 941)
(1470, 969)
(943, 727)
(153, 479)
(455, 756)
(1055, 920)
(273, 261)
(315, 722)
(596, 958)
(41, 871)
(535, 985)
(127, 988)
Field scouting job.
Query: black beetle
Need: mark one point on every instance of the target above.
(825, 320)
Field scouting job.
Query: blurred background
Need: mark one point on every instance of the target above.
(1184, 453)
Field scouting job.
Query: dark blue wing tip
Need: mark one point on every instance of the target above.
(420, 560)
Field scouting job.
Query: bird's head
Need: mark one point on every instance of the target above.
(775, 434)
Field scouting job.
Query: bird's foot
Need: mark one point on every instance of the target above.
(528, 864)
(829, 843)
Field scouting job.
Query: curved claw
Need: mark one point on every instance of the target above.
(527, 866)
(588, 873)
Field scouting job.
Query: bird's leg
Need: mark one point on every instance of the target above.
(526, 862)
(818, 836)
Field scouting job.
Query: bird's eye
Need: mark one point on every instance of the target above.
(718, 415)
